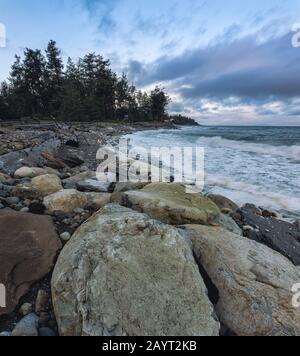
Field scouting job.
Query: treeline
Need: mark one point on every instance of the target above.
(41, 86)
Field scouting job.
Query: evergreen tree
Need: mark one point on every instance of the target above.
(87, 90)
(34, 65)
(54, 78)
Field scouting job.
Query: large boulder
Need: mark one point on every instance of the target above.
(47, 184)
(29, 246)
(170, 204)
(125, 274)
(279, 235)
(251, 284)
(65, 201)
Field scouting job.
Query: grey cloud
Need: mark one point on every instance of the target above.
(243, 68)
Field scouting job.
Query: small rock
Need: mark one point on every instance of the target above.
(91, 185)
(47, 184)
(46, 332)
(248, 228)
(44, 319)
(24, 210)
(12, 200)
(37, 208)
(84, 169)
(297, 224)
(268, 214)
(65, 236)
(78, 211)
(27, 326)
(26, 309)
(65, 201)
(5, 334)
(26, 172)
(42, 300)
(223, 203)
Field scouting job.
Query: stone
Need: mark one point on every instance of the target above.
(65, 201)
(250, 283)
(65, 236)
(5, 334)
(125, 187)
(297, 224)
(4, 179)
(27, 326)
(125, 274)
(279, 235)
(79, 177)
(98, 200)
(12, 200)
(37, 208)
(26, 309)
(25, 191)
(47, 184)
(53, 162)
(29, 246)
(27, 172)
(69, 158)
(228, 223)
(223, 202)
(170, 204)
(41, 302)
(91, 185)
(46, 332)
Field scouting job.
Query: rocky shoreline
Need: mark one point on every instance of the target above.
(80, 257)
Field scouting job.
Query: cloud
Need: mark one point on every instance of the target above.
(103, 10)
(243, 68)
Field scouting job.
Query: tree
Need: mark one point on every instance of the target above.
(34, 65)
(86, 90)
(53, 78)
(159, 102)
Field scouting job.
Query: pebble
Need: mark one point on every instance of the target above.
(78, 211)
(65, 236)
(248, 228)
(24, 210)
(26, 309)
(5, 334)
(12, 200)
(44, 319)
(46, 332)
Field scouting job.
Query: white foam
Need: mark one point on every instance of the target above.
(243, 193)
(290, 152)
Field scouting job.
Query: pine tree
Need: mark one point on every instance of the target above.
(54, 78)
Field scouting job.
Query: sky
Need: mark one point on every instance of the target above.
(222, 62)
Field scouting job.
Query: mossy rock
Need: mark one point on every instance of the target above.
(171, 204)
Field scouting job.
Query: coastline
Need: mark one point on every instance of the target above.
(66, 157)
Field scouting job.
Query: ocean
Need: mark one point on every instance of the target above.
(258, 165)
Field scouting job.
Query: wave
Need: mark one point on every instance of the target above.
(290, 152)
(243, 193)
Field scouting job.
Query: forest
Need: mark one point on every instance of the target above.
(41, 86)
